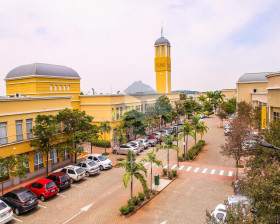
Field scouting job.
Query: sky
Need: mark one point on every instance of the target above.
(110, 43)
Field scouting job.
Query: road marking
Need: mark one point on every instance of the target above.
(173, 167)
(166, 166)
(196, 169)
(230, 173)
(61, 195)
(213, 171)
(76, 186)
(84, 209)
(221, 172)
(17, 219)
(204, 170)
(153, 164)
(189, 168)
(146, 164)
(42, 206)
(164, 222)
(181, 167)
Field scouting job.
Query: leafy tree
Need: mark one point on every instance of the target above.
(164, 108)
(105, 128)
(257, 117)
(222, 115)
(191, 106)
(187, 129)
(77, 129)
(168, 144)
(230, 106)
(135, 120)
(196, 126)
(183, 96)
(133, 169)
(272, 134)
(208, 106)
(120, 136)
(179, 108)
(152, 159)
(13, 165)
(202, 98)
(245, 110)
(151, 115)
(46, 135)
(202, 128)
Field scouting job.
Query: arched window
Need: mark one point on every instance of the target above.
(162, 50)
(157, 50)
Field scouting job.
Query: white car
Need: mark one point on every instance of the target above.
(145, 143)
(6, 213)
(233, 200)
(123, 149)
(220, 213)
(101, 161)
(76, 173)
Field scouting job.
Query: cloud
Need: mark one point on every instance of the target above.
(110, 42)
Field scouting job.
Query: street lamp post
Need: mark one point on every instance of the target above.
(268, 145)
(184, 143)
(177, 143)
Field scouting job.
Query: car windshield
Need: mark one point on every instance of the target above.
(91, 163)
(50, 185)
(2, 205)
(64, 178)
(25, 195)
(102, 158)
(79, 170)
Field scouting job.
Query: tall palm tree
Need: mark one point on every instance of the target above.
(188, 130)
(152, 159)
(202, 128)
(202, 98)
(105, 128)
(133, 169)
(195, 125)
(168, 144)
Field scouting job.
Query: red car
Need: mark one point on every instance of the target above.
(43, 188)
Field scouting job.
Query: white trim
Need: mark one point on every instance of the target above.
(31, 112)
(251, 82)
(272, 88)
(17, 142)
(259, 93)
(34, 98)
(75, 100)
(41, 76)
(47, 93)
(40, 82)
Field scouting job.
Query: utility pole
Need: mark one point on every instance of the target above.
(184, 145)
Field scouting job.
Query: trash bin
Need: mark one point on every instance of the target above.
(156, 180)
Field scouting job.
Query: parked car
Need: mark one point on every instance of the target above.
(62, 180)
(123, 149)
(100, 160)
(151, 141)
(165, 132)
(220, 213)
(237, 186)
(142, 146)
(76, 173)
(249, 144)
(6, 213)
(137, 145)
(20, 200)
(43, 188)
(227, 131)
(145, 142)
(89, 166)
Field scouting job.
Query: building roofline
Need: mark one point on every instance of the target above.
(6, 99)
(273, 74)
(113, 95)
(41, 76)
(251, 82)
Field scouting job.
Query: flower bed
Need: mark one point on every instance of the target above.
(192, 153)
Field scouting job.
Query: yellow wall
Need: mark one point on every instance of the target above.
(229, 93)
(244, 90)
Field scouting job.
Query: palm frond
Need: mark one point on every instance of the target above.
(126, 178)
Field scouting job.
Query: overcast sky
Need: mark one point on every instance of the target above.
(110, 43)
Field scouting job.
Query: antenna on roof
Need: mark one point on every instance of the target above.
(161, 28)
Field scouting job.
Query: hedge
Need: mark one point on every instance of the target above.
(102, 143)
(195, 150)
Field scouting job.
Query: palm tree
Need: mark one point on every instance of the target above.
(202, 128)
(168, 144)
(188, 130)
(195, 125)
(202, 98)
(152, 159)
(133, 169)
(105, 128)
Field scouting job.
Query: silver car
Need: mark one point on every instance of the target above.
(145, 143)
(123, 149)
(138, 144)
(89, 167)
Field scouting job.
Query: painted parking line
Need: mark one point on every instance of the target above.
(17, 219)
(230, 173)
(181, 167)
(166, 166)
(76, 186)
(173, 167)
(213, 171)
(196, 170)
(204, 170)
(42, 206)
(146, 164)
(189, 168)
(221, 172)
(61, 195)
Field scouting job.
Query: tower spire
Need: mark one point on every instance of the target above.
(161, 28)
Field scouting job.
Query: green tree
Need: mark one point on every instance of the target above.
(77, 129)
(257, 117)
(151, 116)
(272, 133)
(105, 128)
(202, 98)
(245, 110)
(152, 159)
(187, 129)
(230, 106)
(168, 144)
(183, 96)
(164, 108)
(46, 135)
(14, 166)
(202, 128)
(195, 124)
(133, 169)
(207, 106)
(222, 115)
(136, 121)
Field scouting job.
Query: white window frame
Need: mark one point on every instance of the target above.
(4, 138)
(59, 87)
(55, 88)
(40, 160)
(68, 87)
(54, 156)
(64, 87)
(51, 87)
(29, 133)
(27, 166)
(19, 134)
(66, 155)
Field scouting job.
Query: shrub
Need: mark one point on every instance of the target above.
(164, 171)
(148, 195)
(181, 158)
(240, 166)
(170, 176)
(141, 196)
(120, 159)
(124, 210)
(135, 200)
(154, 191)
(174, 173)
(105, 153)
(102, 143)
(131, 207)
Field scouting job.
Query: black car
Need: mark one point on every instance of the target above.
(20, 200)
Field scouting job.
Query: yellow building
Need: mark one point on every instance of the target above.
(273, 93)
(229, 94)
(163, 65)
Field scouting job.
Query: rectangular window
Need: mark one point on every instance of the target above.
(64, 87)
(68, 87)
(276, 116)
(113, 114)
(28, 128)
(51, 87)
(3, 133)
(19, 131)
(54, 156)
(26, 164)
(59, 87)
(142, 108)
(117, 112)
(65, 155)
(121, 110)
(157, 50)
(38, 160)
(162, 50)
(55, 87)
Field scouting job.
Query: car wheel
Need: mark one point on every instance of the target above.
(87, 174)
(42, 197)
(114, 152)
(101, 167)
(71, 181)
(58, 189)
(17, 211)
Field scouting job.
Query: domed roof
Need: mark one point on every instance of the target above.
(138, 87)
(162, 41)
(253, 77)
(41, 69)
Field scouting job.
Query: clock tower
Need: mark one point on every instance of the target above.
(163, 65)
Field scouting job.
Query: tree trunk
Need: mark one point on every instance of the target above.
(47, 164)
(151, 176)
(105, 141)
(167, 162)
(236, 169)
(131, 183)
(75, 157)
(195, 138)
(186, 146)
